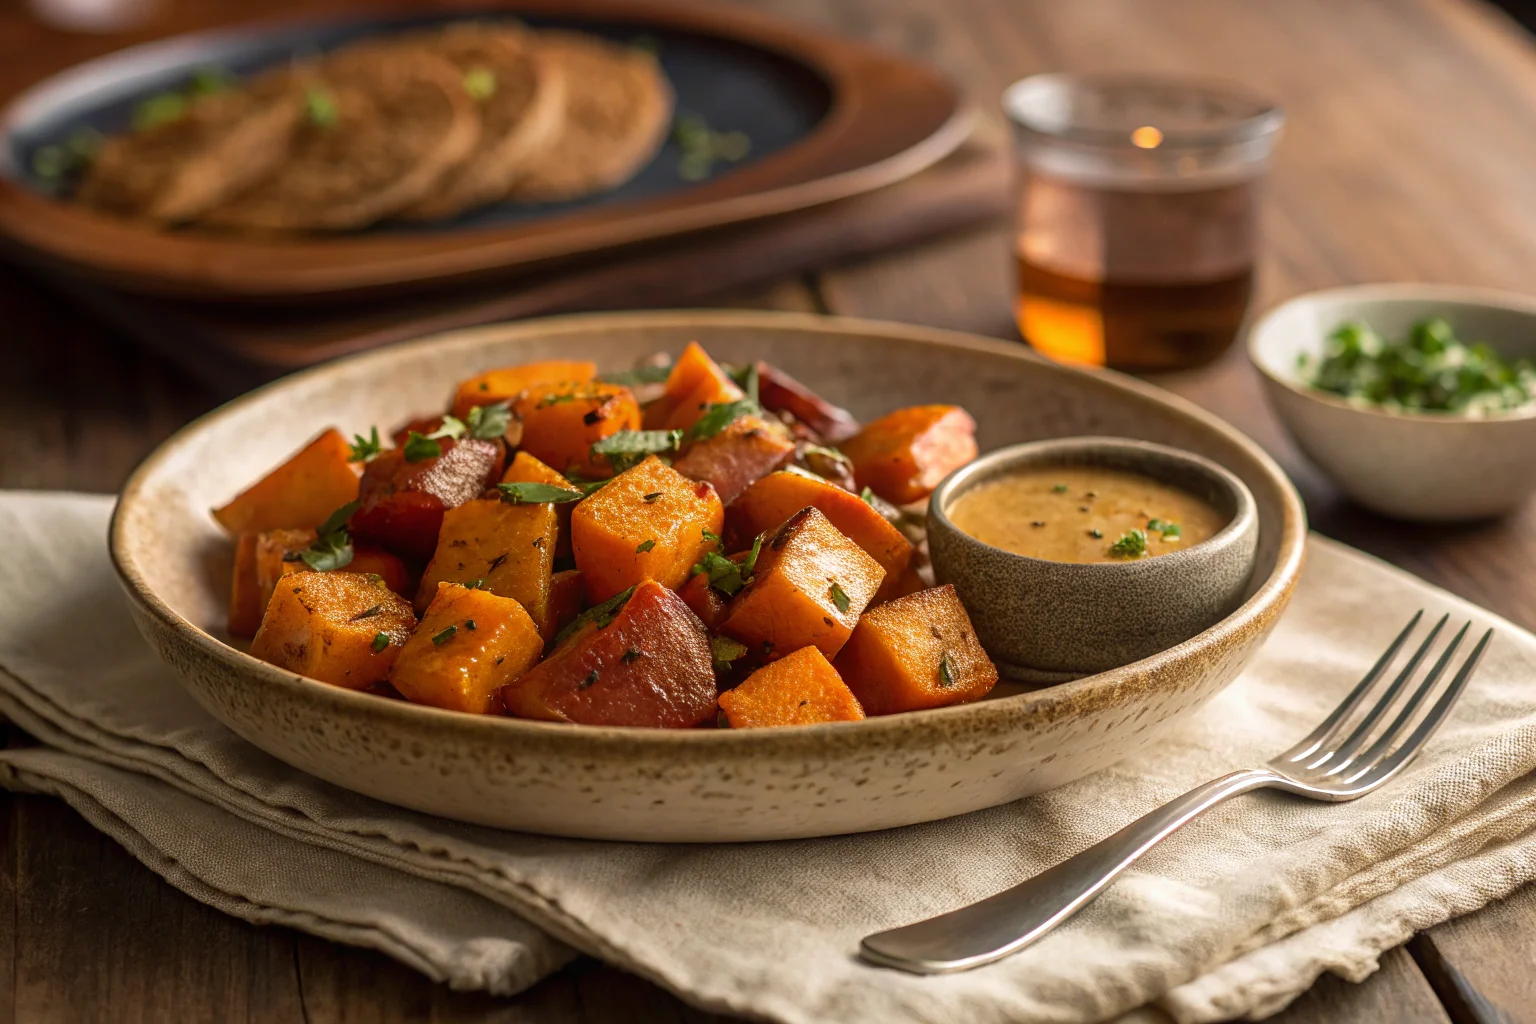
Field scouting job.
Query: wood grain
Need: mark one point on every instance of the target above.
(1481, 965)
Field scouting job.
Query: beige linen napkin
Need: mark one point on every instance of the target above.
(1234, 916)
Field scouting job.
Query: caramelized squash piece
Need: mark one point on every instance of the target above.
(510, 548)
(338, 627)
(808, 587)
(902, 456)
(275, 557)
(245, 603)
(709, 604)
(778, 496)
(802, 688)
(507, 383)
(916, 652)
(562, 422)
(747, 449)
(469, 645)
(649, 522)
(567, 597)
(647, 663)
(403, 501)
(525, 469)
(301, 492)
(695, 383)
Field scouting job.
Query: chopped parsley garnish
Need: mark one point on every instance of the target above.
(723, 650)
(946, 671)
(534, 494)
(419, 448)
(710, 535)
(478, 584)
(725, 575)
(840, 599)
(602, 614)
(702, 146)
(445, 635)
(1096, 534)
(639, 375)
(645, 546)
(480, 83)
(364, 448)
(320, 107)
(380, 641)
(1169, 531)
(628, 448)
(488, 422)
(332, 548)
(1060, 489)
(1132, 544)
(1430, 370)
(867, 495)
(721, 415)
(368, 613)
(750, 562)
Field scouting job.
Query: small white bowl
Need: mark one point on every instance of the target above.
(1422, 466)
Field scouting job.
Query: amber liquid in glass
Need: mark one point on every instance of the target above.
(1134, 280)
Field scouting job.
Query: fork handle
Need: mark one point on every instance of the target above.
(1003, 924)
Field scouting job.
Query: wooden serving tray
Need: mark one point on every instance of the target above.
(828, 118)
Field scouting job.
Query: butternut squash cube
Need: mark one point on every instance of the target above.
(778, 496)
(509, 547)
(567, 597)
(274, 559)
(508, 382)
(525, 469)
(695, 383)
(801, 688)
(747, 449)
(301, 492)
(903, 455)
(808, 587)
(916, 652)
(338, 627)
(649, 522)
(646, 663)
(469, 645)
(245, 604)
(562, 422)
(705, 601)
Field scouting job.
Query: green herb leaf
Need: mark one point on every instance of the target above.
(489, 422)
(419, 448)
(1132, 544)
(533, 494)
(338, 520)
(161, 108)
(332, 548)
(445, 635)
(629, 448)
(840, 599)
(1060, 489)
(364, 448)
(1169, 530)
(320, 106)
(368, 613)
(726, 576)
(639, 375)
(480, 83)
(721, 415)
(750, 562)
(380, 641)
(710, 535)
(452, 427)
(867, 495)
(602, 614)
(946, 671)
(644, 546)
(723, 650)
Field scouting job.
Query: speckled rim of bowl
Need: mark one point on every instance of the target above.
(1057, 451)
(1050, 704)
(1400, 291)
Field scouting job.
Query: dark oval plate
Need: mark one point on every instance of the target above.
(826, 119)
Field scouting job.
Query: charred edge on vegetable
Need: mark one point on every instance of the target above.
(630, 655)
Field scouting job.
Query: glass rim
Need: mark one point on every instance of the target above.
(1265, 119)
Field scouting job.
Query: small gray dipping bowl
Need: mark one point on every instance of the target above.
(1045, 621)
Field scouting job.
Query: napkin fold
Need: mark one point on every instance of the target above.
(1234, 916)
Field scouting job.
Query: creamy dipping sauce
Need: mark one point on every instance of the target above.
(1084, 514)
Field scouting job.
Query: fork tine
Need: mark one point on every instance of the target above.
(1317, 737)
(1410, 748)
(1390, 734)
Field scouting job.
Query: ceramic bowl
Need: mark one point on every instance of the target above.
(694, 784)
(1420, 466)
(1042, 620)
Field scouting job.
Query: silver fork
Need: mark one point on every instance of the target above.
(1320, 767)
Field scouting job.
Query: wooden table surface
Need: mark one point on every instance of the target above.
(1408, 156)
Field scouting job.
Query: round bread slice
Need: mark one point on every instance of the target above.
(382, 127)
(521, 98)
(171, 172)
(618, 106)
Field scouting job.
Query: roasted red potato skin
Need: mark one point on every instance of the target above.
(802, 688)
(402, 503)
(469, 645)
(779, 392)
(892, 662)
(903, 455)
(747, 449)
(302, 492)
(650, 666)
(323, 625)
(429, 425)
(705, 601)
(507, 383)
(567, 597)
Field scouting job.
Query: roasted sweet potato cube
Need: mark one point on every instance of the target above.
(695, 383)
(649, 522)
(396, 575)
(903, 455)
(916, 652)
(749, 448)
(507, 383)
(808, 587)
(511, 548)
(301, 492)
(525, 469)
(646, 663)
(245, 603)
(562, 422)
(469, 645)
(709, 604)
(338, 627)
(801, 688)
(567, 596)
(275, 557)
(403, 501)
(778, 496)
